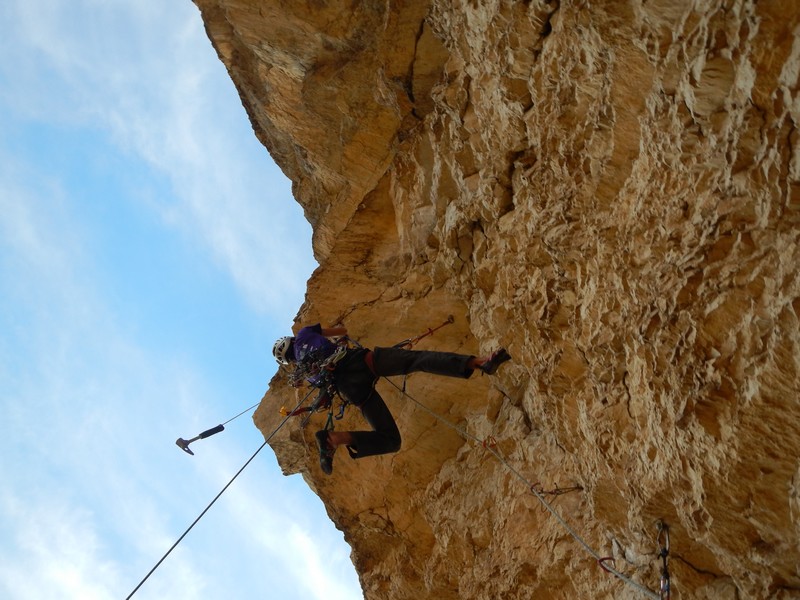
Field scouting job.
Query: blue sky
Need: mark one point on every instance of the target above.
(144, 275)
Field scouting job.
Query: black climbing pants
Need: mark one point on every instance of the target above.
(358, 372)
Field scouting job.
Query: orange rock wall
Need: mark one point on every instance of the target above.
(611, 190)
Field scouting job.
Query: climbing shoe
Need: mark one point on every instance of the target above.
(325, 452)
(495, 360)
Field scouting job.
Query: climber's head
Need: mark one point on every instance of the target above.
(283, 350)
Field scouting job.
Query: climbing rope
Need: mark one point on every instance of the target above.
(246, 410)
(491, 446)
(227, 485)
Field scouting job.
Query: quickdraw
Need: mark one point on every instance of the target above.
(320, 374)
(411, 342)
(322, 401)
(662, 539)
(556, 491)
(602, 562)
(318, 371)
(538, 490)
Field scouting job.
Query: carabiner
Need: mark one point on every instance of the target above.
(662, 539)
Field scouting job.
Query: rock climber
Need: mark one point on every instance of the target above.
(353, 372)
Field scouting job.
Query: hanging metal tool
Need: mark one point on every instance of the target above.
(184, 444)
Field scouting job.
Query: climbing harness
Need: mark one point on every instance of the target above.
(324, 401)
(323, 371)
(490, 445)
(206, 509)
(662, 539)
(317, 370)
(319, 373)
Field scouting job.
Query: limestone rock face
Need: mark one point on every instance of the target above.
(610, 190)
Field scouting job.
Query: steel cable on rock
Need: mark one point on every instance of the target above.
(532, 487)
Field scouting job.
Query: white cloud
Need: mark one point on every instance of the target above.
(56, 554)
(286, 529)
(92, 422)
(168, 100)
(94, 488)
(86, 424)
(317, 573)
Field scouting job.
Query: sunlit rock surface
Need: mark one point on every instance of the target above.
(611, 190)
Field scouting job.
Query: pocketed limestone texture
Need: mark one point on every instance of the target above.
(610, 190)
